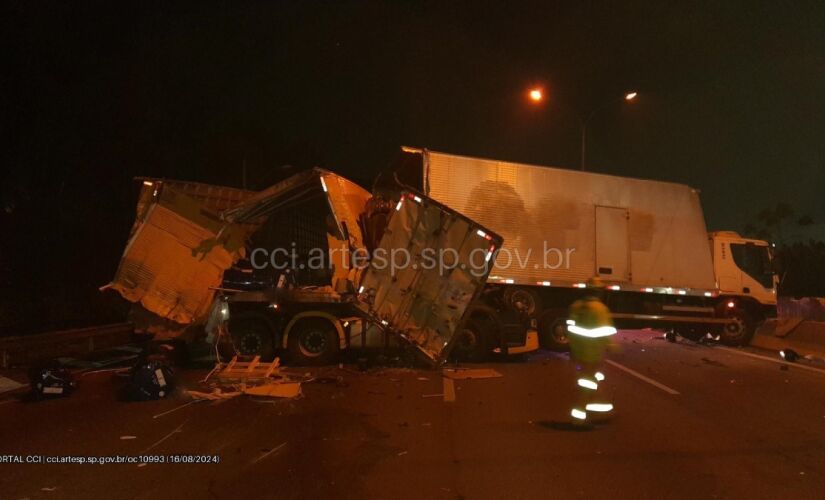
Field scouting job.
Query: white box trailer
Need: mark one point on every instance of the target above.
(646, 239)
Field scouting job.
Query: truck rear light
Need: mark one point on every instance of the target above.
(648, 290)
(682, 292)
(484, 235)
(580, 285)
(614, 287)
(731, 304)
(543, 283)
(508, 281)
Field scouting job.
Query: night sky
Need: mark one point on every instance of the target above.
(731, 101)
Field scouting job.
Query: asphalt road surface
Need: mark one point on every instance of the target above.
(692, 422)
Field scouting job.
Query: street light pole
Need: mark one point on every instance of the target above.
(627, 97)
(537, 95)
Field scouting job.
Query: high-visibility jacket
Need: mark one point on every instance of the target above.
(589, 329)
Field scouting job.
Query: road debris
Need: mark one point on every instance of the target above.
(52, 381)
(216, 395)
(275, 390)
(151, 379)
(252, 377)
(270, 452)
(470, 373)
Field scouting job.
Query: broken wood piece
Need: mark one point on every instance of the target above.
(275, 390)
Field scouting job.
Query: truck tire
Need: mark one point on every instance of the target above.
(527, 297)
(741, 329)
(252, 336)
(313, 341)
(552, 326)
(472, 342)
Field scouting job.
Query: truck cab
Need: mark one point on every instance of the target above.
(746, 281)
(743, 266)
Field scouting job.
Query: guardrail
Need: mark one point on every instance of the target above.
(26, 349)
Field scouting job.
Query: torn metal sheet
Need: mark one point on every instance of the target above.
(177, 253)
(345, 202)
(425, 303)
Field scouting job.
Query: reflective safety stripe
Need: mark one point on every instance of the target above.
(599, 407)
(599, 376)
(576, 413)
(602, 331)
(588, 384)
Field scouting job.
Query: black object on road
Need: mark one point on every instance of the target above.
(151, 379)
(53, 381)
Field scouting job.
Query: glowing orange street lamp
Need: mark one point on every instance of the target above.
(536, 95)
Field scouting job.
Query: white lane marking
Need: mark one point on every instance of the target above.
(767, 358)
(643, 378)
(270, 452)
(449, 389)
(178, 408)
(164, 438)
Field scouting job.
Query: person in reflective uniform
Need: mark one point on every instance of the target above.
(590, 331)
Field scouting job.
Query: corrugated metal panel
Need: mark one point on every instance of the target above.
(537, 209)
(422, 300)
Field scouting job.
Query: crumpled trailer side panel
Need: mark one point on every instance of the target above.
(424, 303)
(176, 254)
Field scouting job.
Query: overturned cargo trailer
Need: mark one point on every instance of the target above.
(309, 311)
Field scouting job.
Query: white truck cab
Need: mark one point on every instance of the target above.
(743, 267)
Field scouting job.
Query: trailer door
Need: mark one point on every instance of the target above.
(612, 260)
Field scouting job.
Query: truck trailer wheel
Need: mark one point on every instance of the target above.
(472, 342)
(740, 330)
(313, 341)
(553, 331)
(528, 299)
(252, 337)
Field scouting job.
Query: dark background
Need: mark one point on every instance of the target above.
(731, 101)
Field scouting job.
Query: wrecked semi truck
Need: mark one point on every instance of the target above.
(307, 267)
(645, 239)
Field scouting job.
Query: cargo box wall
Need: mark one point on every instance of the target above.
(661, 243)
